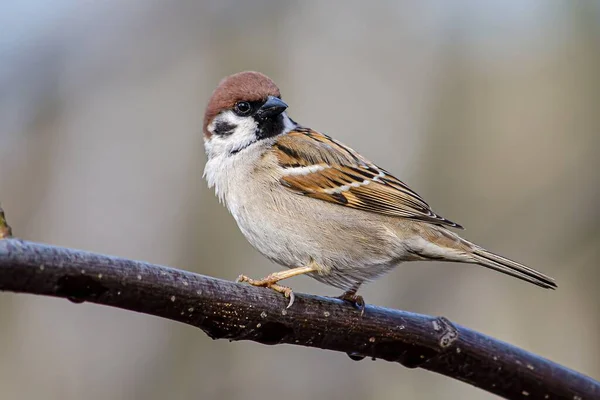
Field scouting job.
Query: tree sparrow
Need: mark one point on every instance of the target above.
(314, 205)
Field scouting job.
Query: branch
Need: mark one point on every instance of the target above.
(226, 310)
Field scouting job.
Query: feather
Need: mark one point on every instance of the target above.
(506, 266)
(317, 166)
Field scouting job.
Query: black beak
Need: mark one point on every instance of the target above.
(272, 107)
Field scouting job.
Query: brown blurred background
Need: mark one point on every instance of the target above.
(490, 110)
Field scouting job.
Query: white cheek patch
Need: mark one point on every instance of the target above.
(244, 133)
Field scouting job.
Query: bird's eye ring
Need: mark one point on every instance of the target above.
(242, 108)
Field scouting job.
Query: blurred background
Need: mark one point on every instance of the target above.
(489, 110)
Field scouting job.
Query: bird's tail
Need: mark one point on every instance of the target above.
(438, 243)
(509, 267)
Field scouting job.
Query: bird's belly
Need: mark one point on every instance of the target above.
(294, 231)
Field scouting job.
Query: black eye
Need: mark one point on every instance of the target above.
(242, 108)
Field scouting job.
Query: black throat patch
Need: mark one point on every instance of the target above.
(269, 127)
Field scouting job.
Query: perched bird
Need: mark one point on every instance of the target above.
(311, 204)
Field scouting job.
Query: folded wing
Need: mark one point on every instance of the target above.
(317, 166)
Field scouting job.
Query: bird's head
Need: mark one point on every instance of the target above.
(244, 109)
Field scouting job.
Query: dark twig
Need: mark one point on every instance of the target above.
(226, 310)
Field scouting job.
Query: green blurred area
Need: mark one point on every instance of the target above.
(489, 110)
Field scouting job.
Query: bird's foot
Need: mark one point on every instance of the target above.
(271, 283)
(355, 299)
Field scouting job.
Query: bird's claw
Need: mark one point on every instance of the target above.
(289, 294)
(356, 300)
(271, 284)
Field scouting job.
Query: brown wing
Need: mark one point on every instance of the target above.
(317, 166)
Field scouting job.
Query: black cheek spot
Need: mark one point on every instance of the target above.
(223, 128)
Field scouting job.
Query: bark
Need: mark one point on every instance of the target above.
(227, 310)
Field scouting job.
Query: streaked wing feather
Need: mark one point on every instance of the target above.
(317, 166)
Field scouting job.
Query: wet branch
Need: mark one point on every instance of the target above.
(226, 310)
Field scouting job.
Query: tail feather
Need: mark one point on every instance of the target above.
(512, 268)
(438, 243)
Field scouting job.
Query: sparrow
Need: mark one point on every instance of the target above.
(312, 204)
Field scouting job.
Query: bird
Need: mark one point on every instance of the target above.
(317, 207)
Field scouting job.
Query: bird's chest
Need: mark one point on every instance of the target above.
(255, 210)
(248, 194)
(231, 177)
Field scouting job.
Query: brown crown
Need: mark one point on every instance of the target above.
(243, 86)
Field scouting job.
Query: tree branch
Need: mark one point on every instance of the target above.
(226, 310)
